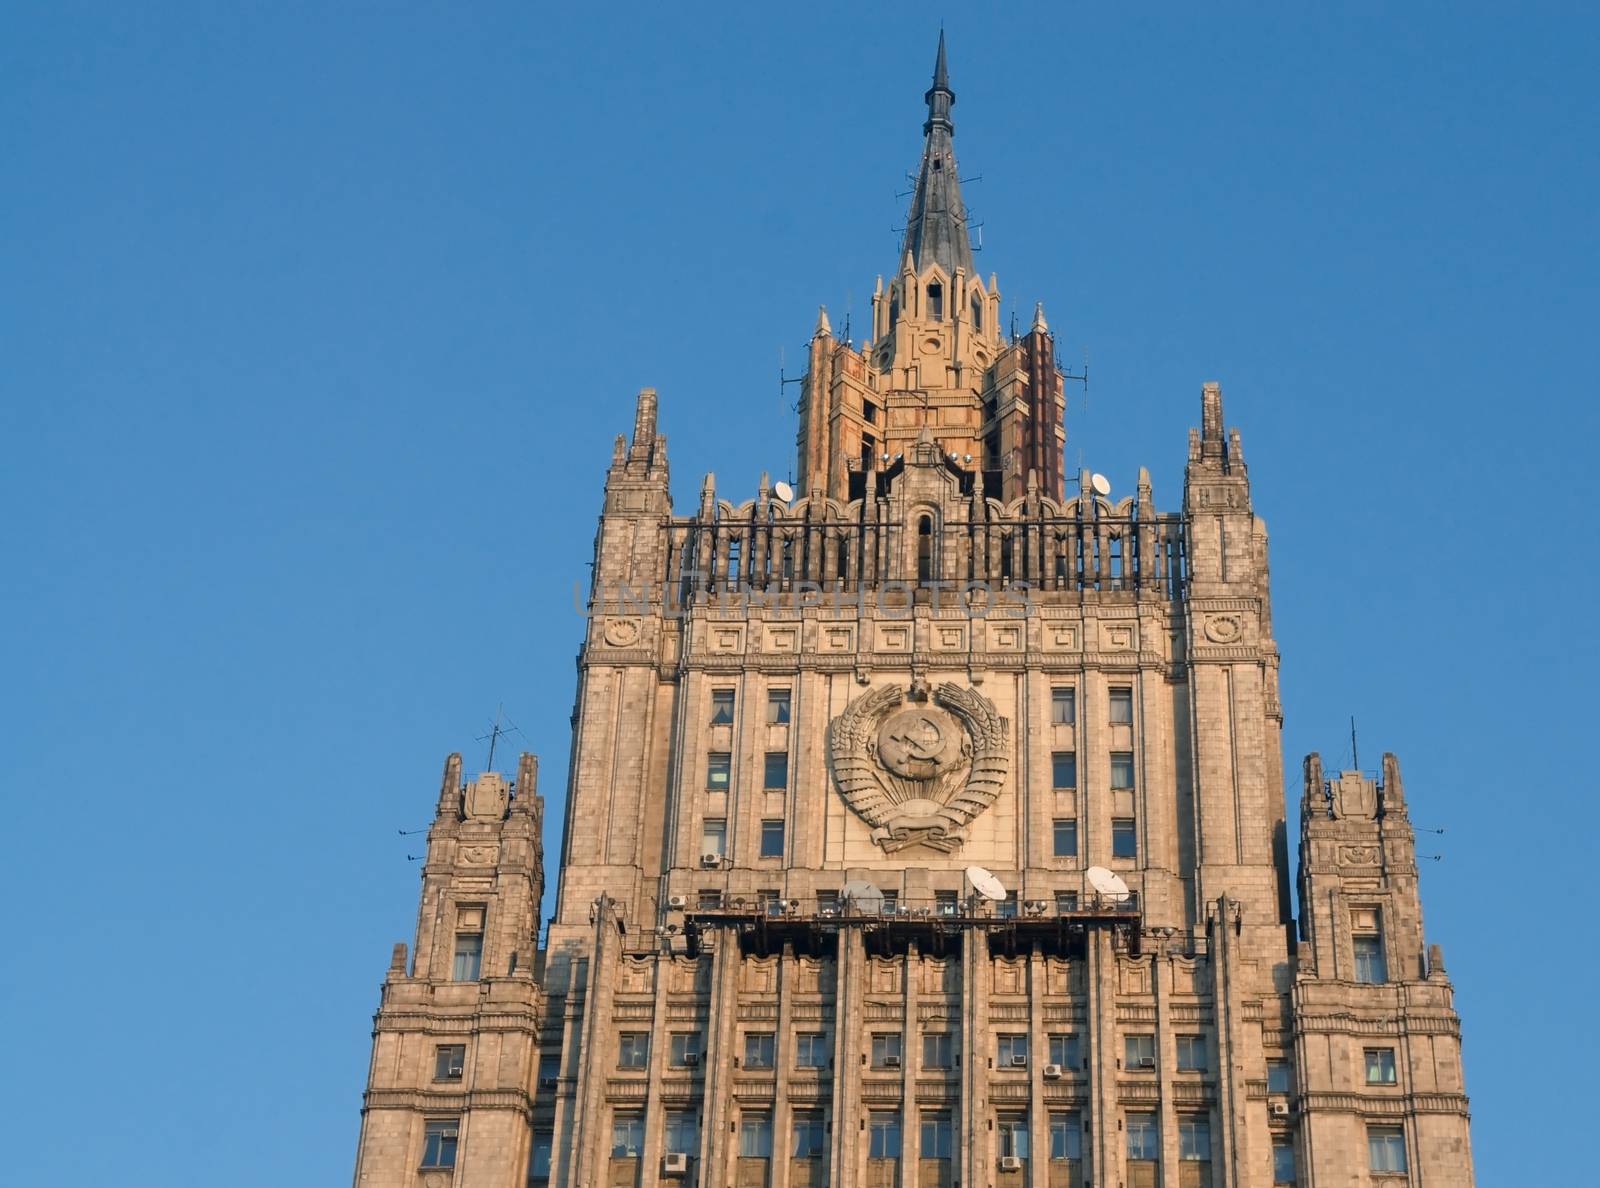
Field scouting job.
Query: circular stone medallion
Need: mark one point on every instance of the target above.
(919, 742)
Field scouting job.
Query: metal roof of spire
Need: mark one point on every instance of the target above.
(936, 227)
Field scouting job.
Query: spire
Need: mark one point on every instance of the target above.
(936, 227)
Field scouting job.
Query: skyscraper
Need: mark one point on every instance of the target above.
(925, 825)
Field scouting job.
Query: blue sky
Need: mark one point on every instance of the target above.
(317, 321)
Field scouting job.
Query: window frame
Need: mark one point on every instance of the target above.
(772, 827)
(633, 1121)
(943, 1049)
(633, 1049)
(1192, 1053)
(1134, 1044)
(755, 1130)
(1069, 827)
(1063, 1123)
(719, 765)
(883, 1125)
(811, 1049)
(1119, 705)
(1064, 696)
(723, 704)
(883, 1046)
(1394, 1144)
(814, 1126)
(780, 707)
(1122, 762)
(775, 764)
(1124, 837)
(1006, 1049)
(444, 1152)
(1064, 771)
(678, 1052)
(1147, 1125)
(1064, 1048)
(936, 1134)
(449, 1062)
(760, 1049)
(1380, 1067)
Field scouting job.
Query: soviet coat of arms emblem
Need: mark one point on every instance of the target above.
(919, 773)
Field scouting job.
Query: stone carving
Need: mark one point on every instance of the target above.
(619, 633)
(919, 774)
(1223, 629)
(1358, 855)
(477, 855)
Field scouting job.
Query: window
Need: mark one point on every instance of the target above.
(1194, 1138)
(1066, 901)
(627, 1136)
(935, 301)
(1064, 1050)
(944, 903)
(869, 412)
(778, 706)
(1121, 770)
(828, 902)
(772, 839)
(938, 1049)
(1063, 706)
(769, 901)
(544, 1142)
(1370, 965)
(708, 900)
(924, 549)
(1064, 769)
(811, 1050)
(1144, 1140)
(1011, 1050)
(1277, 1076)
(1065, 836)
(1066, 1136)
(891, 902)
(883, 1128)
(775, 772)
(1006, 909)
(1386, 1149)
(1124, 839)
(722, 707)
(448, 1061)
(682, 1133)
(1011, 1135)
(714, 837)
(439, 1142)
(1282, 1162)
(886, 1049)
(1192, 1053)
(977, 313)
(755, 1136)
(1138, 1051)
(683, 1048)
(758, 1048)
(1380, 1066)
(938, 1136)
(469, 957)
(719, 766)
(894, 308)
(1121, 705)
(633, 1049)
(808, 1135)
(549, 1071)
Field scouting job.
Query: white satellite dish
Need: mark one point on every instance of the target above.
(863, 896)
(783, 491)
(1108, 883)
(985, 884)
(1101, 484)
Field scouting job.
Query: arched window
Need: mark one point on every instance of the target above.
(925, 549)
(977, 312)
(894, 308)
(935, 301)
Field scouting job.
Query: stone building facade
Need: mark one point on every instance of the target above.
(811, 724)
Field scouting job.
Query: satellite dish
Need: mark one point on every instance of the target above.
(1101, 484)
(863, 896)
(985, 884)
(1107, 882)
(783, 491)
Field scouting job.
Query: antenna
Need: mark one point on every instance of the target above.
(784, 382)
(1355, 763)
(495, 731)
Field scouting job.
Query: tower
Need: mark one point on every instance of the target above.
(927, 828)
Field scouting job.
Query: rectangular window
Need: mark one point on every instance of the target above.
(1194, 1138)
(1006, 909)
(544, 1143)
(633, 1049)
(938, 1136)
(938, 1049)
(944, 903)
(449, 1061)
(770, 902)
(755, 1136)
(683, 1049)
(1011, 1135)
(1386, 1149)
(1282, 1162)
(811, 1050)
(772, 838)
(1121, 771)
(719, 768)
(828, 903)
(883, 1129)
(1380, 1066)
(1064, 1050)
(869, 412)
(1138, 1051)
(682, 1133)
(1066, 901)
(627, 1136)
(1371, 967)
(713, 837)
(1192, 1053)
(778, 706)
(722, 707)
(775, 772)
(808, 1135)
(1064, 769)
(758, 1049)
(1011, 1050)
(1122, 705)
(1066, 1136)
(1124, 838)
(707, 900)
(439, 1142)
(1144, 1139)
(1063, 706)
(1278, 1080)
(886, 1049)
(891, 902)
(469, 957)
(549, 1071)
(1065, 833)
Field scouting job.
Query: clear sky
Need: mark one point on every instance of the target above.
(317, 319)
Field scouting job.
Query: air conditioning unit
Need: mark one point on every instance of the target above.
(454, 1070)
(1052, 1072)
(1019, 1060)
(1147, 1062)
(711, 860)
(1010, 1163)
(891, 1062)
(675, 1164)
(690, 1059)
(1278, 1109)
(677, 901)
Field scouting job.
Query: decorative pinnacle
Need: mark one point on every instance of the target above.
(1039, 324)
(822, 322)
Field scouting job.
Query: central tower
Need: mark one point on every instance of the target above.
(938, 359)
